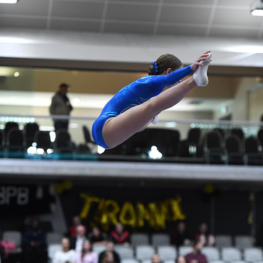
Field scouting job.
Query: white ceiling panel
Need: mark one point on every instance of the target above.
(182, 17)
(14, 22)
(180, 14)
(26, 7)
(236, 17)
(90, 26)
(195, 2)
(77, 10)
(136, 1)
(181, 30)
(128, 28)
(223, 32)
(244, 3)
(131, 12)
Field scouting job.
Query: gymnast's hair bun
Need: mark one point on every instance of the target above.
(150, 70)
(155, 69)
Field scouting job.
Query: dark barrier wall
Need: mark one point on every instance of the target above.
(226, 212)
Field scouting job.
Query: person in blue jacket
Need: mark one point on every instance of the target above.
(135, 106)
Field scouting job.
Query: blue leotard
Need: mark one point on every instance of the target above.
(134, 94)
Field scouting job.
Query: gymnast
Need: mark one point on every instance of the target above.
(137, 105)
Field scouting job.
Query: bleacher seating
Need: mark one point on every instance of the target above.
(223, 241)
(220, 131)
(15, 140)
(231, 254)
(169, 261)
(238, 132)
(183, 251)
(30, 130)
(63, 142)
(223, 252)
(53, 238)
(87, 137)
(144, 252)
(160, 239)
(242, 242)
(99, 248)
(15, 237)
(214, 148)
(260, 136)
(42, 139)
(2, 140)
(192, 142)
(52, 249)
(167, 253)
(254, 157)
(217, 146)
(9, 126)
(139, 239)
(234, 150)
(211, 253)
(124, 252)
(132, 260)
(253, 254)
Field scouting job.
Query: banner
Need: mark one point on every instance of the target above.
(107, 212)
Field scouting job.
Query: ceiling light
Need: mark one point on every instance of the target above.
(257, 12)
(16, 40)
(16, 74)
(8, 1)
(250, 49)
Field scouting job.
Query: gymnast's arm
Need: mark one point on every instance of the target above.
(161, 81)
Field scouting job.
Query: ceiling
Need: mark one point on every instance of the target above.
(203, 18)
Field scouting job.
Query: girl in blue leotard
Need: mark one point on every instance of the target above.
(135, 106)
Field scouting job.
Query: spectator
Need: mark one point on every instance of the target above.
(108, 257)
(34, 243)
(203, 235)
(155, 258)
(76, 243)
(181, 237)
(66, 255)
(72, 229)
(96, 236)
(180, 259)
(60, 105)
(86, 255)
(196, 256)
(110, 248)
(119, 235)
(5, 248)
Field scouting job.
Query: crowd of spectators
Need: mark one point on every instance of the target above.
(76, 246)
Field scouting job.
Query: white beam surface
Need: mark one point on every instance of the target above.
(21, 169)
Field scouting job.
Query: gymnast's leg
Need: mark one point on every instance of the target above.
(118, 129)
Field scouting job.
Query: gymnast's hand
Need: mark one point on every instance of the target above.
(197, 62)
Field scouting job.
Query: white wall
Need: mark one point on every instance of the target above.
(243, 107)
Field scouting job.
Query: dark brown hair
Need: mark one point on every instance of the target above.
(164, 62)
(83, 252)
(105, 256)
